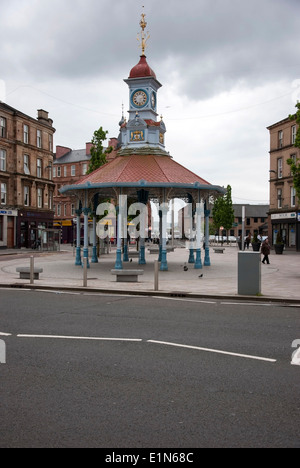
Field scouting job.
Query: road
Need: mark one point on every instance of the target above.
(86, 370)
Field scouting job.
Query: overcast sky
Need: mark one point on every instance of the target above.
(229, 69)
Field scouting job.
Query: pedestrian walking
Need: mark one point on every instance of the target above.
(248, 240)
(266, 250)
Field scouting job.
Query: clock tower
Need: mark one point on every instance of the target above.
(142, 132)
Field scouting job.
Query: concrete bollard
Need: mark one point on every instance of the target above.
(156, 275)
(85, 270)
(32, 270)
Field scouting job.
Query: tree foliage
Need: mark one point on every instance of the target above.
(295, 163)
(98, 154)
(223, 212)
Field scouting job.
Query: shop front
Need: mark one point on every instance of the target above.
(8, 228)
(288, 225)
(30, 226)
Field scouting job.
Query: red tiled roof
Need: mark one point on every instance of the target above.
(151, 168)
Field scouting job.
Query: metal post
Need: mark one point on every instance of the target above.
(31, 270)
(85, 270)
(243, 227)
(156, 275)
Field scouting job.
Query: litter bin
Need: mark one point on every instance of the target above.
(249, 273)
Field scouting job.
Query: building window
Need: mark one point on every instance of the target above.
(294, 134)
(39, 138)
(54, 172)
(26, 135)
(2, 160)
(293, 196)
(255, 220)
(279, 198)
(39, 168)
(65, 171)
(49, 167)
(84, 169)
(50, 200)
(1, 228)
(26, 196)
(26, 164)
(73, 171)
(59, 171)
(65, 210)
(248, 221)
(2, 127)
(72, 209)
(40, 198)
(3, 194)
(50, 143)
(58, 210)
(280, 139)
(279, 168)
(262, 220)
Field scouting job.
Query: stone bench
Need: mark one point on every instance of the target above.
(25, 272)
(127, 276)
(133, 254)
(155, 250)
(219, 250)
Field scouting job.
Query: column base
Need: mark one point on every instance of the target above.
(94, 256)
(164, 263)
(78, 261)
(119, 264)
(191, 257)
(198, 263)
(207, 258)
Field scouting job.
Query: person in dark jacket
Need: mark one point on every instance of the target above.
(266, 250)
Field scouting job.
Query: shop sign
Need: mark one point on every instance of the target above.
(284, 216)
(9, 212)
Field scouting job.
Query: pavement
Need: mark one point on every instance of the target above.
(280, 281)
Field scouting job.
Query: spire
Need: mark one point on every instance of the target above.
(142, 36)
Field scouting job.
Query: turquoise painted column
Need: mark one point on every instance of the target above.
(160, 236)
(207, 257)
(78, 261)
(164, 262)
(198, 262)
(125, 253)
(119, 264)
(142, 259)
(191, 215)
(86, 212)
(94, 256)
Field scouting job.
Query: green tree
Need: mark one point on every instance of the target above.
(228, 211)
(223, 213)
(295, 163)
(98, 154)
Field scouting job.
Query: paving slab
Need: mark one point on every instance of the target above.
(280, 279)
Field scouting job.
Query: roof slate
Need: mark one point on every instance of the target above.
(151, 168)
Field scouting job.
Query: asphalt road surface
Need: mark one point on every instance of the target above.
(136, 372)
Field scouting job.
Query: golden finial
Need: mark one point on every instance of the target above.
(142, 36)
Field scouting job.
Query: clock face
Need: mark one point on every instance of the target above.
(153, 101)
(139, 98)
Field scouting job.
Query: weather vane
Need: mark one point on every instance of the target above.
(142, 36)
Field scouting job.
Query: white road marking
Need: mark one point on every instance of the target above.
(197, 301)
(257, 358)
(90, 338)
(5, 334)
(247, 304)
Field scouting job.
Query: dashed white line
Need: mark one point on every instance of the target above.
(89, 338)
(5, 334)
(217, 351)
